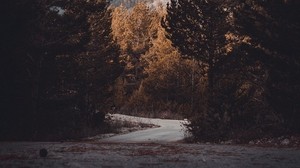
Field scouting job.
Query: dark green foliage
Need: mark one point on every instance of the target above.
(199, 33)
(275, 29)
(201, 27)
(252, 75)
(16, 17)
(59, 60)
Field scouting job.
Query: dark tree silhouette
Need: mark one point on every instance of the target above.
(249, 49)
(274, 29)
(59, 59)
(197, 29)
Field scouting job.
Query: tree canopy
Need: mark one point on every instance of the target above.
(59, 60)
(246, 47)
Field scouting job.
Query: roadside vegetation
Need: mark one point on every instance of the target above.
(230, 67)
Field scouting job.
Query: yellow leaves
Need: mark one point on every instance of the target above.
(136, 29)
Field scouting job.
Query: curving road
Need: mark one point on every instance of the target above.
(131, 151)
(168, 131)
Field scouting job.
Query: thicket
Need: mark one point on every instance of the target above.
(248, 50)
(58, 60)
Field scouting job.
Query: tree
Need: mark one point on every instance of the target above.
(20, 17)
(198, 32)
(245, 61)
(273, 27)
(134, 30)
(197, 29)
(100, 64)
(131, 28)
(56, 63)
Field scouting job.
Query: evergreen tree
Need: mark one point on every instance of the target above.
(197, 29)
(247, 52)
(273, 27)
(19, 19)
(60, 52)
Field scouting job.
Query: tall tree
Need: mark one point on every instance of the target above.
(131, 28)
(197, 29)
(273, 27)
(55, 67)
(101, 62)
(251, 63)
(134, 31)
(19, 18)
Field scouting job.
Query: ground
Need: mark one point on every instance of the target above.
(137, 150)
(120, 155)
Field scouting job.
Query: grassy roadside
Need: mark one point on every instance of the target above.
(119, 126)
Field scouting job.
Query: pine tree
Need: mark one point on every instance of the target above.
(197, 29)
(251, 70)
(21, 19)
(273, 27)
(57, 57)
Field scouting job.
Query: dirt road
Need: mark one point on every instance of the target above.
(156, 148)
(167, 131)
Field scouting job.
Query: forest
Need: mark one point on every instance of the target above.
(230, 67)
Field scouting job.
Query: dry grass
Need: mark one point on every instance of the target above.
(122, 126)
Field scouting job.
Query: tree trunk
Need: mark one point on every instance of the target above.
(210, 75)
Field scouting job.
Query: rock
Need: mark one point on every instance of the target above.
(285, 142)
(43, 152)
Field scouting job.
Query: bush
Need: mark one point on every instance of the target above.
(233, 107)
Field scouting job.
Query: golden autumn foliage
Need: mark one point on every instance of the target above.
(155, 72)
